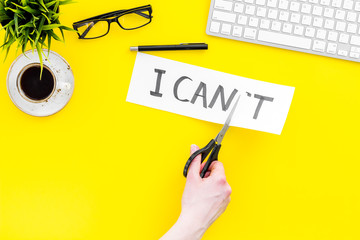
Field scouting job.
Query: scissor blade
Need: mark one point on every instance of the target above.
(226, 126)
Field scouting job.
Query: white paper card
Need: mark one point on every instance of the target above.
(208, 95)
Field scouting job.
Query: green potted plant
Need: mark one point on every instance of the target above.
(37, 87)
(31, 21)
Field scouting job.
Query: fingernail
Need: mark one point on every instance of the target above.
(193, 147)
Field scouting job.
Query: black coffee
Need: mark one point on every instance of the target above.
(33, 87)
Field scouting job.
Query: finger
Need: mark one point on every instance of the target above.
(216, 168)
(207, 174)
(202, 166)
(194, 167)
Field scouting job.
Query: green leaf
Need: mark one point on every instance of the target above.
(67, 28)
(7, 47)
(66, 2)
(39, 50)
(43, 5)
(30, 10)
(51, 26)
(16, 24)
(49, 22)
(40, 28)
(25, 41)
(49, 44)
(27, 25)
(56, 37)
(49, 4)
(13, 10)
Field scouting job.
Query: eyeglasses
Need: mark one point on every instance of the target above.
(99, 26)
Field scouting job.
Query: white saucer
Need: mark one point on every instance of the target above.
(63, 89)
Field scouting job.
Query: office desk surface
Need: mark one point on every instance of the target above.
(103, 168)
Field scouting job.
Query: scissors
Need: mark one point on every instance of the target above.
(213, 146)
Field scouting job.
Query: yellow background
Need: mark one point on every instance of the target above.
(103, 168)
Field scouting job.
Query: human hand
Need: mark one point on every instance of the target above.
(203, 201)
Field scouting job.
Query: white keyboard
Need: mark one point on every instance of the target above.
(323, 27)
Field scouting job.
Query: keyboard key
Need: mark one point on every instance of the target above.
(284, 39)
(276, 26)
(295, 6)
(331, 48)
(261, 12)
(355, 40)
(214, 27)
(336, 3)
(283, 4)
(325, 2)
(317, 10)
(253, 22)
(249, 1)
(351, 17)
(272, 14)
(319, 46)
(354, 55)
(333, 36)
(250, 33)
(299, 30)
(272, 3)
(242, 20)
(357, 6)
(306, 8)
(250, 9)
(351, 28)
(340, 14)
(310, 32)
(260, 2)
(239, 8)
(226, 29)
(348, 4)
(237, 31)
(287, 28)
(329, 24)
(306, 20)
(344, 38)
(321, 34)
(224, 16)
(355, 49)
(318, 22)
(340, 26)
(329, 12)
(264, 23)
(223, 5)
(295, 18)
(343, 53)
(284, 16)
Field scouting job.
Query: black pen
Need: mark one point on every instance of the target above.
(182, 46)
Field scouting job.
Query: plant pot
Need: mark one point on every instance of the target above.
(35, 96)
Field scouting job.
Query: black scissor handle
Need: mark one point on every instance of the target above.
(204, 153)
(213, 157)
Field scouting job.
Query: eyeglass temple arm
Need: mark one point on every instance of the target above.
(114, 13)
(100, 17)
(143, 14)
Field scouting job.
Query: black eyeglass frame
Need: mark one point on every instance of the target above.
(114, 18)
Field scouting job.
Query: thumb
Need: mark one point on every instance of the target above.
(194, 168)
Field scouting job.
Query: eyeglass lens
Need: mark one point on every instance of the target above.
(94, 29)
(135, 19)
(99, 28)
